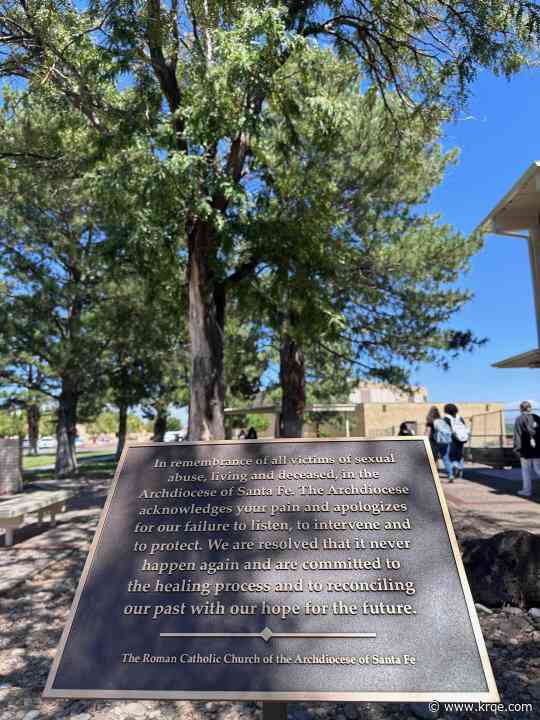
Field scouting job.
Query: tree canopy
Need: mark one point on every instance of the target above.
(81, 323)
(282, 143)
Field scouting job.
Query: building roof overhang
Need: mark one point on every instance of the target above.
(519, 209)
(530, 359)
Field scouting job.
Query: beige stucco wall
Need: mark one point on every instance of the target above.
(380, 419)
(383, 419)
(377, 392)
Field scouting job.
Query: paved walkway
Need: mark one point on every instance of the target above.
(492, 496)
(38, 546)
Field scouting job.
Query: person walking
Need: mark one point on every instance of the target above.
(527, 446)
(432, 415)
(251, 434)
(460, 435)
(442, 435)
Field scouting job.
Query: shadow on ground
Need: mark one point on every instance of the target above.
(498, 484)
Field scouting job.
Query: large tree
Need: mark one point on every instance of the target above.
(145, 357)
(193, 81)
(53, 262)
(362, 275)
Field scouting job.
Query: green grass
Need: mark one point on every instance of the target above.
(34, 461)
(99, 469)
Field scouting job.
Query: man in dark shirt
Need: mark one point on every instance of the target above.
(527, 445)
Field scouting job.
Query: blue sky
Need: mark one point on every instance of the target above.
(498, 140)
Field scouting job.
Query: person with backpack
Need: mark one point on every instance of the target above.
(527, 445)
(459, 436)
(442, 435)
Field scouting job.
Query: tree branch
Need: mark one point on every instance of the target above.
(165, 72)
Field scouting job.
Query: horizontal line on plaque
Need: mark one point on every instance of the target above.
(273, 635)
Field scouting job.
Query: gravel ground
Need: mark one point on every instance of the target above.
(33, 614)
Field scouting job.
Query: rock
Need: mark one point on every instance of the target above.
(424, 711)
(82, 716)
(513, 675)
(504, 569)
(351, 711)
(534, 689)
(32, 715)
(534, 612)
(133, 709)
(483, 608)
(509, 610)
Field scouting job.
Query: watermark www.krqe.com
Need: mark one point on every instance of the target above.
(435, 706)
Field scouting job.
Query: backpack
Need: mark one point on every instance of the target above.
(442, 432)
(460, 430)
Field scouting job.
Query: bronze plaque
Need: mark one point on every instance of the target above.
(275, 570)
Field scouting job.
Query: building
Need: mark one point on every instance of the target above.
(369, 392)
(377, 419)
(517, 216)
(377, 410)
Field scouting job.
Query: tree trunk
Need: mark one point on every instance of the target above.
(160, 426)
(206, 322)
(33, 416)
(293, 388)
(122, 428)
(66, 431)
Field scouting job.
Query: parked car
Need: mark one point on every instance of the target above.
(46, 443)
(172, 436)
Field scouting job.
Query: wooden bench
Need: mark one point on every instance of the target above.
(13, 511)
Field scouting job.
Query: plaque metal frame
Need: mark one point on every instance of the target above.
(491, 696)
